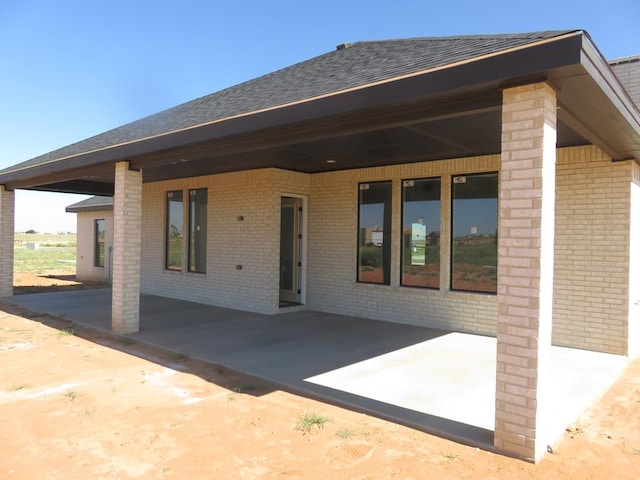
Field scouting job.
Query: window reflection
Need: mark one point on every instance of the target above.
(421, 233)
(474, 247)
(374, 232)
(98, 248)
(198, 230)
(174, 230)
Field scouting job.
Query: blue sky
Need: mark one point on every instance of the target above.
(70, 69)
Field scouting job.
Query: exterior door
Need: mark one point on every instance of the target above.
(290, 249)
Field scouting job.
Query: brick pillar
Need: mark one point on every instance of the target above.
(525, 269)
(7, 202)
(127, 233)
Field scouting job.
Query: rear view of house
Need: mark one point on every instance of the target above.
(487, 184)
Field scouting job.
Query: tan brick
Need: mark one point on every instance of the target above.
(7, 204)
(522, 312)
(591, 261)
(85, 268)
(127, 235)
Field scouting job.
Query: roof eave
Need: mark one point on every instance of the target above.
(526, 63)
(609, 120)
(571, 62)
(88, 208)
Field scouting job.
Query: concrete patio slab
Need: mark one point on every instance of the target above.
(433, 380)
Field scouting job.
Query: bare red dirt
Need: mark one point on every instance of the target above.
(76, 404)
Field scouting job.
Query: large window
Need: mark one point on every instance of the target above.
(175, 226)
(198, 230)
(100, 228)
(374, 232)
(421, 233)
(474, 239)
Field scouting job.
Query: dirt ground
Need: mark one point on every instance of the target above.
(76, 404)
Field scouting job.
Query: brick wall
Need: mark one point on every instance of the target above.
(85, 268)
(591, 190)
(333, 214)
(592, 250)
(251, 243)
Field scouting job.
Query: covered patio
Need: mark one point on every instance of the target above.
(433, 380)
(540, 112)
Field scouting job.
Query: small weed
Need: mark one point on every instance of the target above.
(71, 395)
(346, 433)
(636, 451)
(246, 387)
(15, 388)
(126, 341)
(309, 421)
(65, 332)
(450, 456)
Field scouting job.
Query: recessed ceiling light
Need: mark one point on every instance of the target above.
(331, 161)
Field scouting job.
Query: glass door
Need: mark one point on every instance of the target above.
(290, 243)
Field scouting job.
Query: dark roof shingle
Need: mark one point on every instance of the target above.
(360, 64)
(95, 203)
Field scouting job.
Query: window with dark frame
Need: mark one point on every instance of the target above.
(198, 230)
(374, 232)
(100, 229)
(420, 245)
(174, 230)
(474, 238)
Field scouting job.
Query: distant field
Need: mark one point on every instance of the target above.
(56, 253)
(46, 239)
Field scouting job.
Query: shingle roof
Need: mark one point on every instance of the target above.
(91, 204)
(360, 64)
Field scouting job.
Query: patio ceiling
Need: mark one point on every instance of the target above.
(443, 113)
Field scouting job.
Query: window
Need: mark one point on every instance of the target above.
(474, 239)
(198, 230)
(174, 230)
(99, 228)
(421, 233)
(374, 232)
(196, 241)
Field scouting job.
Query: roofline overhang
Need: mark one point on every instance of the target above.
(89, 208)
(569, 55)
(618, 106)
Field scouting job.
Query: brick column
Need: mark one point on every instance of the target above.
(127, 233)
(525, 269)
(7, 202)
